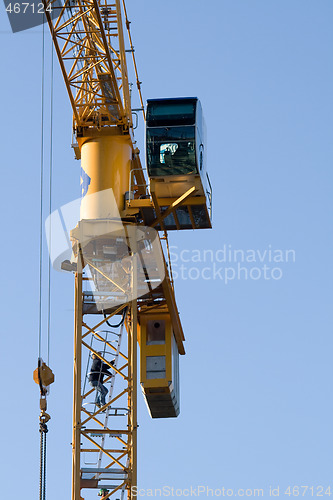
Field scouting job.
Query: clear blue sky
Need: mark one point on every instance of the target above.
(257, 379)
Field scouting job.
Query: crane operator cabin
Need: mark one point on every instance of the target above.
(176, 158)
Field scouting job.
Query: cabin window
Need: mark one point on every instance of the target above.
(167, 149)
(171, 151)
(171, 113)
(156, 332)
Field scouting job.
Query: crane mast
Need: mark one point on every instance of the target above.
(89, 41)
(118, 260)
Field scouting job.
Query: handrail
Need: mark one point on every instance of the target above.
(131, 178)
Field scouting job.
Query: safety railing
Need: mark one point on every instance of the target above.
(132, 184)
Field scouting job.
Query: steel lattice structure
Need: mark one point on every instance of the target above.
(88, 36)
(89, 41)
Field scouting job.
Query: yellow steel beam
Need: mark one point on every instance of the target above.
(76, 443)
(109, 316)
(126, 457)
(157, 210)
(174, 204)
(97, 84)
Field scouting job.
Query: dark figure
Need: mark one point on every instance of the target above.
(168, 158)
(103, 492)
(96, 375)
(183, 163)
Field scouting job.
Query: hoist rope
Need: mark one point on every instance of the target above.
(42, 468)
(50, 209)
(41, 199)
(41, 465)
(44, 417)
(44, 460)
(42, 473)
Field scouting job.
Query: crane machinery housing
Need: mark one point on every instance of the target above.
(123, 281)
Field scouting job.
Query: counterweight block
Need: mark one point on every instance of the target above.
(159, 364)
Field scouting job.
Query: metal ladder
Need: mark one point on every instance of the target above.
(98, 472)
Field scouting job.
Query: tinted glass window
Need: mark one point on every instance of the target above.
(155, 332)
(171, 151)
(171, 113)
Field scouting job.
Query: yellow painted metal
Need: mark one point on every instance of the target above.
(150, 208)
(161, 392)
(164, 349)
(43, 375)
(87, 423)
(85, 436)
(91, 51)
(174, 186)
(157, 208)
(174, 204)
(107, 162)
(76, 439)
(165, 202)
(89, 42)
(133, 384)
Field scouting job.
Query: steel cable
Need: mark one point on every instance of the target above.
(50, 209)
(42, 469)
(41, 465)
(44, 417)
(41, 199)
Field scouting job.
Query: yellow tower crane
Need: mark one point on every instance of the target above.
(123, 282)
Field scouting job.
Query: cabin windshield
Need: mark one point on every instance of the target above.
(178, 112)
(171, 151)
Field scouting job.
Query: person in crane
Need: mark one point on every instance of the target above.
(97, 371)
